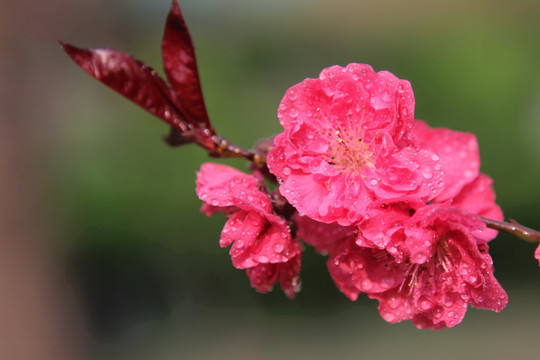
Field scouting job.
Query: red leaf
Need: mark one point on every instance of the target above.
(130, 78)
(181, 68)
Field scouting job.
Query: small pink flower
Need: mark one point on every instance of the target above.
(257, 235)
(347, 141)
(537, 254)
(442, 269)
(263, 277)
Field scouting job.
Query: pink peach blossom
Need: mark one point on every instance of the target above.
(442, 269)
(258, 236)
(347, 141)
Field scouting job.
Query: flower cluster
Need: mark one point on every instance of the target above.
(394, 203)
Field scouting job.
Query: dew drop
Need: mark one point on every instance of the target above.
(293, 112)
(393, 302)
(239, 244)
(424, 304)
(387, 282)
(427, 173)
(263, 259)
(286, 170)
(420, 258)
(366, 285)
(388, 316)
(292, 95)
(448, 300)
(278, 248)
(434, 157)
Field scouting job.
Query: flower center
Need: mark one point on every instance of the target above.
(439, 263)
(346, 150)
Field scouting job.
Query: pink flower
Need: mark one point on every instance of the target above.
(442, 269)
(258, 236)
(537, 254)
(347, 141)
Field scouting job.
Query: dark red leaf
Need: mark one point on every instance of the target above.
(131, 78)
(181, 68)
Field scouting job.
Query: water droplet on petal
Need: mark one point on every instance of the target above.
(427, 173)
(366, 285)
(292, 95)
(393, 302)
(293, 112)
(448, 300)
(424, 304)
(388, 316)
(263, 259)
(387, 282)
(420, 258)
(286, 170)
(278, 248)
(434, 157)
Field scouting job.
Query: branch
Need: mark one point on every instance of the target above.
(512, 227)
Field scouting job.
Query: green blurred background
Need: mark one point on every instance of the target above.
(111, 213)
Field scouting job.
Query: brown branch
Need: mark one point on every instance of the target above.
(512, 227)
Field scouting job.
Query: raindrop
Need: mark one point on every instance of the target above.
(292, 95)
(286, 170)
(387, 282)
(293, 112)
(434, 157)
(278, 248)
(425, 304)
(393, 302)
(263, 259)
(448, 300)
(388, 316)
(426, 173)
(420, 258)
(366, 285)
